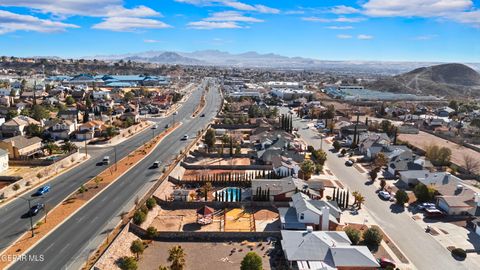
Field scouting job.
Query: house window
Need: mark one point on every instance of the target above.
(302, 216)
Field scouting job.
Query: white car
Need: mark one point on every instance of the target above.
(185, 137)
(384, 195)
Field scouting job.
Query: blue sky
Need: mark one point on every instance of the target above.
(398, 30)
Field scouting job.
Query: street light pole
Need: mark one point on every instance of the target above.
(31, 219)
(115, 151)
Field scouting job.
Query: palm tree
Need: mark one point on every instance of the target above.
(177, 258)
(360, 199)
(50, 147)
(69, 147)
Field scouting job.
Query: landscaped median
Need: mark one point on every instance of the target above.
(79, 198)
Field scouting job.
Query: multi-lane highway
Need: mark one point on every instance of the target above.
(68, 246)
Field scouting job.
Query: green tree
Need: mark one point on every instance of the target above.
(372, 237)
(320, 156)
(308, 168)
(12, 114)
(139, 217)
(210, 138)
(151, 232)
(176, 256)
(39, 112)
(68, 147)
(336, 146)
(70, 100)
(128, 96)
(353, 234)
(51, 147)
(34, 130)
(423, 193)
(127, 263)
(150, 203)
(401, 197)
(137, 247)
(251, 261)
(110, 132)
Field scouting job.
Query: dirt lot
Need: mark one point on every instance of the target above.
(182, 220)
(423, 139)
(266, 220)
(204, 255)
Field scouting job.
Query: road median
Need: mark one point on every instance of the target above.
(76, 200)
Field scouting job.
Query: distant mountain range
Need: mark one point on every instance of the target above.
(452, 80)
(270, 60)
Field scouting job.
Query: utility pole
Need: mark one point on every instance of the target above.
(86, 150)
(31, 219)
(115, 151)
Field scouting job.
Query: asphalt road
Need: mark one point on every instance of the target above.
(72, 242)
(419, 247)
(62, 246)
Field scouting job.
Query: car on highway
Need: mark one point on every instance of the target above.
(434, 213)
(41, 191)
(185, 137)
(156, 164)
(175, 113)
(33, 211)
(384, 195)
(424, 206)
(106, 160)
(349, 163)
(154, 126)
(167, 125)
(203, 115)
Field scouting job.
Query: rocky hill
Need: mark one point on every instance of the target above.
(451, 80)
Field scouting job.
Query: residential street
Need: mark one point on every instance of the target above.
(419, 247)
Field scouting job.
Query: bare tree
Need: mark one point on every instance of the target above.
(470, 164)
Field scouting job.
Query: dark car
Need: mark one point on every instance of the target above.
(434, 213)
(203, 115)
(384, 263)
(41, 191)
(35, 209)
(349, 163)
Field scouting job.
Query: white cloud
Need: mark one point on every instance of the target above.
(213, 25)
(425, 37)
(410, 8)
(91, 8)
(462, 11)
(233, 4)
(344, 36)
(126, 24)
(225, 19)
(230, 16)
(364, 37)
(11, 22)
(339, 19)
(344, 10)
(140, 11)
(336, 27)
(316, 19)
(349, 20)
(151, 41)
